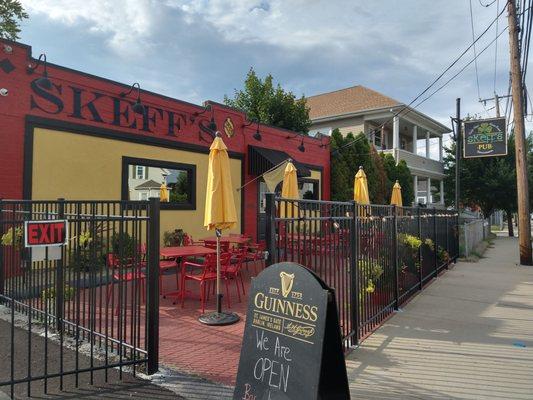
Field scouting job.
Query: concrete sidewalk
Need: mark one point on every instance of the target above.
(469, 335)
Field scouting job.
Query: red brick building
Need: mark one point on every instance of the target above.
(75, 136)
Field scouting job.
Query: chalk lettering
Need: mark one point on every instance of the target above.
(261, 341)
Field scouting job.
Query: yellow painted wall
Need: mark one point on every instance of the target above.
(80, 167)
(316, 174)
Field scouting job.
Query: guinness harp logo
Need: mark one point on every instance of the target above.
(286, 283)
(229, 129)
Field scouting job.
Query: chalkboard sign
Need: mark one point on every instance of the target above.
(485, 138)
(292, 345)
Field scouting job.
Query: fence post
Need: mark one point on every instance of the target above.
(2, 265)
(436, 259)
(466, 239)
(354, 258)
(270, 234)
(395, 259)
(152, 303)
(447, 241)
(60, 284)
(420, 270)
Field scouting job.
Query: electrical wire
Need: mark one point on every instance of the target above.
(496, 45)
(475, 53)
(461, 70)
(407, 107)
(487, 5)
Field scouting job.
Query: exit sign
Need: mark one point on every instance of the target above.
(45, 233)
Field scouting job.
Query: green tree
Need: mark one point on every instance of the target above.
(350, 152)
(400, 173)
(11, 14)
(263, 102)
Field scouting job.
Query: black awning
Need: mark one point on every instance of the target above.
(261, 160)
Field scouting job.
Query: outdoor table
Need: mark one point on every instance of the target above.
(228, 239)
(180, 253)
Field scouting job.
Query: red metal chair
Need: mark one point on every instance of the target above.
(205, 274)
(256, 252)
(125, 271)
(166, 265)
(232, 270)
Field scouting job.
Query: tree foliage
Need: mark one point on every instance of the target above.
(264, 102)
(400, 173)
(11, 14)
(487, 182)
(381, 171)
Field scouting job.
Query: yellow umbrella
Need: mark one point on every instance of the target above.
(163, 193)
(289, 190)
(220, 213)
(360, 188)
(396, 197)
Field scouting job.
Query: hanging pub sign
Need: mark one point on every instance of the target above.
(291, 347)
(485, 138)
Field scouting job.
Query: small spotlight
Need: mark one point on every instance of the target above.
(138, 107)
(301, 147)
(257, 134)
(43, 82)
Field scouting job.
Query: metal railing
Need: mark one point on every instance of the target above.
(100, 290)
(376, 257)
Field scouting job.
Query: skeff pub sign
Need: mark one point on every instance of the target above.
(485, 138)
(45, 233)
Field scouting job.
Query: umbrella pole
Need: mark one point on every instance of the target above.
(218, 317)
(219, 294)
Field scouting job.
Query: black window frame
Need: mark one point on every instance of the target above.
(127, 162)
(316, 186)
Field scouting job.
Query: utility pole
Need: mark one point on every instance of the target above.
(496, 100)
(458, 153)
(524, 222)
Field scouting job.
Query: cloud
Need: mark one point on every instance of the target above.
(201, 49)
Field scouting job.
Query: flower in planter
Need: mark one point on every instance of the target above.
(13, 237)
(430, 244)
(410, 240)
(50, 293)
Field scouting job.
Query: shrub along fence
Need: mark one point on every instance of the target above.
(376, 257)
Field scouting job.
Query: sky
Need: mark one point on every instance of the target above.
(197, 50)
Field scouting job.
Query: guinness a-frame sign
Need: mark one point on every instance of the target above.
(292, 346)
(485, 138)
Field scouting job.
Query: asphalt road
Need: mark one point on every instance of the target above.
(128, 388)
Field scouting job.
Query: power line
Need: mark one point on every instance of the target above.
(496, 44)
(487, 5)
(407, 107)
(475, 53)
(462, 69)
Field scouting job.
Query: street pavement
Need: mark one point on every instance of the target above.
(469, 335)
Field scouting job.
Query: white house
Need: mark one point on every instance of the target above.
(408, 135)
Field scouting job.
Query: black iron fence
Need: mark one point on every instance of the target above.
(376, 257)
(96, 297)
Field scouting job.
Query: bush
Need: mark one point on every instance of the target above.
(173, 238)
(373, 272)
(123, 245)
(8, 239)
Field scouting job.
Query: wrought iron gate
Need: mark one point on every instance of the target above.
(96, 297)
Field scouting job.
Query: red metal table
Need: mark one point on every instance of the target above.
(229, 239)
(180, 253)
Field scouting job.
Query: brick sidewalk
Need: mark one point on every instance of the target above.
(189, 346)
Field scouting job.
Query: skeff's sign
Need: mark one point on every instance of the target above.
(82, 104)
(45, 233)
(485, 138)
